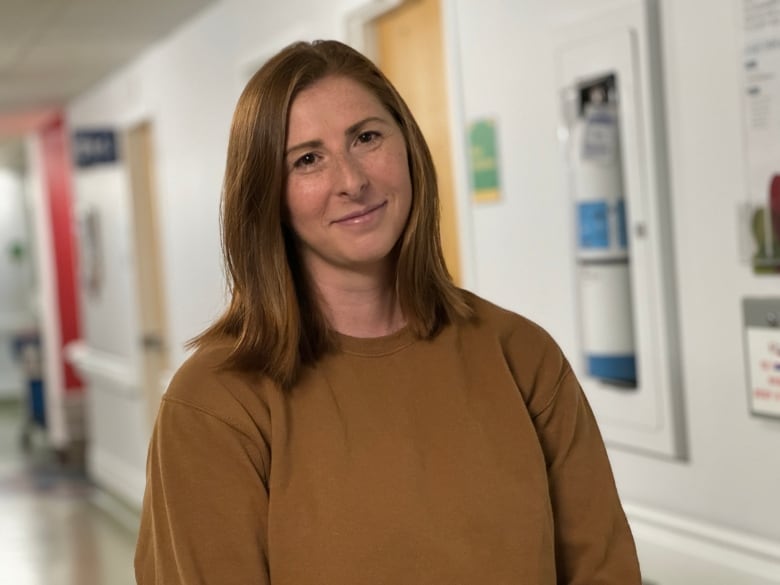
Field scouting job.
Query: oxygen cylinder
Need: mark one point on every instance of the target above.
(602, 245)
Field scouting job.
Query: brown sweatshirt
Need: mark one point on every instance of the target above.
(471, 458)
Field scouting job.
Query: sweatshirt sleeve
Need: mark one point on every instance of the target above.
(593, 541)
(204, 513)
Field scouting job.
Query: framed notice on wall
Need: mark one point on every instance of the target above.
(761, 119)
(762, 355)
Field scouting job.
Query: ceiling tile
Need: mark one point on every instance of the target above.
(51, 50)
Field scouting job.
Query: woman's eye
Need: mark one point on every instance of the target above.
(367, 137)
(306, 160)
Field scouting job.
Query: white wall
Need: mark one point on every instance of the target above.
(529, 232)
(522, 246)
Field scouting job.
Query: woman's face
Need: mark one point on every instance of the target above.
(348, 186)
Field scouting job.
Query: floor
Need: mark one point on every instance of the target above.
(53, 527)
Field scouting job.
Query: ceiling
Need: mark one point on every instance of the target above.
(52, 50)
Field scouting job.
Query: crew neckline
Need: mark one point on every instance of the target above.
(376, 346)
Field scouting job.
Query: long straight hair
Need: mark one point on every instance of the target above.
(274, 318)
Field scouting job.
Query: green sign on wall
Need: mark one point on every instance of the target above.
(484, 160)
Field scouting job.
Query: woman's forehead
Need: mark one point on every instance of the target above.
(333, 103)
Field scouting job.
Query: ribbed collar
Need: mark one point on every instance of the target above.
(376, 346)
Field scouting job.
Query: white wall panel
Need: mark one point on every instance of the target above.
(524, 243)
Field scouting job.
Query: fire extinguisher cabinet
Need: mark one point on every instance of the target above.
(612, 132)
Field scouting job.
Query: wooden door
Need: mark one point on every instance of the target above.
(410, 51)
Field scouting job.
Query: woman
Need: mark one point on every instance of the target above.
(353, 417)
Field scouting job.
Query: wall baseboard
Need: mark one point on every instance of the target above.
(117, 509)
(714, 545)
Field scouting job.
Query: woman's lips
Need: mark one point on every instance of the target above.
(360, 215)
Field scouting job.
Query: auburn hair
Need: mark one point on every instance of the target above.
(273, 317)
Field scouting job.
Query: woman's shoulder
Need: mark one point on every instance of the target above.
(504, 323)
(535, 359)
(204, 382)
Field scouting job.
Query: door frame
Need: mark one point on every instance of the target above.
(138, 141)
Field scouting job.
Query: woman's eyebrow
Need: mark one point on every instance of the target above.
(355, 127)
(307, 145)
(348, 132)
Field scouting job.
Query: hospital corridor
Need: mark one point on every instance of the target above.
(606, 169)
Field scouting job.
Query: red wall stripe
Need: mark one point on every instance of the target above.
(56, 168)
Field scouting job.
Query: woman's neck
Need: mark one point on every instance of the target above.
(360, 304)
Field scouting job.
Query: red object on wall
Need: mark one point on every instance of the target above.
(56, 169)
(774, 206)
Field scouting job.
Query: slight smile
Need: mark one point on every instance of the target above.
(360, 216)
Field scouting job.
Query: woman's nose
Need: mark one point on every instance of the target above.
(350, 176)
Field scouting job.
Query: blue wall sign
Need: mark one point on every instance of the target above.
(93, 147)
